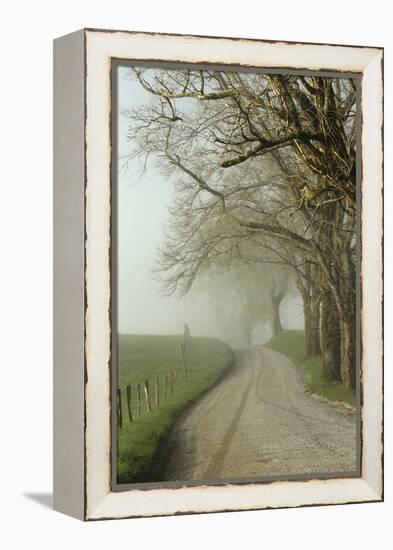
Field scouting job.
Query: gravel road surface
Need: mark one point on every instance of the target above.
(259, 422)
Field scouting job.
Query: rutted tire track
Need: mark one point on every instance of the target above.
(276, 429)
(214, 468)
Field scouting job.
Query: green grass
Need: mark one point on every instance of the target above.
(143, 358)
(292, 343)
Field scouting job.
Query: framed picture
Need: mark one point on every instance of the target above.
(218, 274)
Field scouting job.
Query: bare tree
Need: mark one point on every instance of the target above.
(245, 299)
(262, 163)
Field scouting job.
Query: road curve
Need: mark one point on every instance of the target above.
(259, 422)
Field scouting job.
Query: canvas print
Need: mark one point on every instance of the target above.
(235, 276)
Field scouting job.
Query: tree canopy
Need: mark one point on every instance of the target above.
(265, 173)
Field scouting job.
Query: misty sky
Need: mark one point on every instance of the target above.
(142, 215)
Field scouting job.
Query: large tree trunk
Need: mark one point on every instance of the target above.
(335, 252)
(278, 292)
(330, 338)
(315, 311)
(348, 323)
(307, 322)
(309, 289)
(343, 315)
(303, 285)
(348, 350)
(315, 342)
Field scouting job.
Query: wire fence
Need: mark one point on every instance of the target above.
(136, 399)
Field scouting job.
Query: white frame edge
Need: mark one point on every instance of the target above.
(69, 269)
(101, 47)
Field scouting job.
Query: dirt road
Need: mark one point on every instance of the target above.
(259, 422)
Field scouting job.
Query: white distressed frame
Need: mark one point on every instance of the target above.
(100, 48)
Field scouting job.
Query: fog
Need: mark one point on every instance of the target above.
(143, 201)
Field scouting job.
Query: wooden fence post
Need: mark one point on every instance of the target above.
(129, 402)
(138, 400)
(172, 381)
(186, 334)
(166, 387)
(157, 391)
(183, 351)
(119, 409)
(147, 395)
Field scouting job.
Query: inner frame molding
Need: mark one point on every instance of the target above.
(116, 65)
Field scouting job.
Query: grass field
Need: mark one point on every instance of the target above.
(292, 343)
(143, 358)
